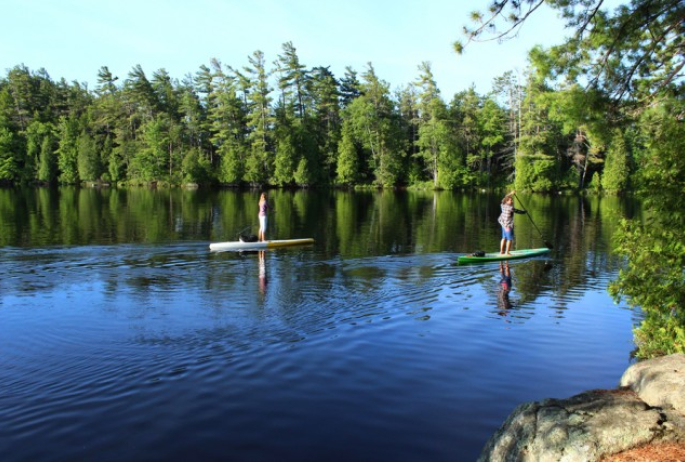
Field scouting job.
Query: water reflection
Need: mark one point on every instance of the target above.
(503, 302)
(262, 273)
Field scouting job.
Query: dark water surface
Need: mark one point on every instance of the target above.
(123, 338)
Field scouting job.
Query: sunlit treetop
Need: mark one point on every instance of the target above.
(633, 52)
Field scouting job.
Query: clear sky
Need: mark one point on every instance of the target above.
(73, 39)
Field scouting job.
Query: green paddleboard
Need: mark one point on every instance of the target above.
(496, 256)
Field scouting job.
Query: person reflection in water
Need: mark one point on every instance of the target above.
(503, 301)
(262, 272)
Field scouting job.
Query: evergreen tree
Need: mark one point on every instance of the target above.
(226, 114)
(259, 164)
(150, 162)
(168, 107)
(540, 155)
(292, 80)
(67, 151)
(414, 170)
(108, 110)
(350, 87)
(511, 92)
(88, 158)
(289, 115)
(40, 150)
(193, 119)
(617, 167)
(141, 94)
(653, 277)
(8, 168)
(348, 164)
(47, 167)
(492, 122)
(326, 122)
(464, 111)
(434, 140)
(375, 120)
(22, 90)
(286, 152)
(195, 167)
(628, 53)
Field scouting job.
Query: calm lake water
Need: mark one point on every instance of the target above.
(123, 338)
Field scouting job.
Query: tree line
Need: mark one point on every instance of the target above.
(283, 124)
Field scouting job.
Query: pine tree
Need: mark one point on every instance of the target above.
(348, 169)
(617, 167)
(227, 118)
(67, 152)
(434, 137)
(259, 164)
(375, 121)
(326, 121)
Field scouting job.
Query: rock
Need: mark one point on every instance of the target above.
(599, 423)
(659, 382)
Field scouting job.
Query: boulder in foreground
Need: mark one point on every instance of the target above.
(586, 427)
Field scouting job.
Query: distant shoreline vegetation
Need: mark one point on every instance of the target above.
(286, 125)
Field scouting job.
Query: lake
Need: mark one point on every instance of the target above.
(123, 338)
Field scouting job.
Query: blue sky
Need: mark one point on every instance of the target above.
(73, 39)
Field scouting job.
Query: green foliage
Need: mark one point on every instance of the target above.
(150, 162)
(436, 142)
(628, 53)
(7, 162)
(375, 121)
(315, 129)
(285, 161)
(231, 171)
(46, 163)
(617, 168)
(535, 173)
(67, 152)
(653, 281)
(492, 129)
(303, 174)
(326, 122)
(319, 131)
(348, 171)
(195, 167)
(88, 160)
(655, 247)
(260, 121)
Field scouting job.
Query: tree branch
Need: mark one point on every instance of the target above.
(498, 11)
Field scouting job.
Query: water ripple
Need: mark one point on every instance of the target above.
(156, 350)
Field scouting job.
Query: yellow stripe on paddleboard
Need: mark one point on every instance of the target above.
(287, 242)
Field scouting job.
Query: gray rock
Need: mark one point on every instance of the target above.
(659, 382)
(599, 423)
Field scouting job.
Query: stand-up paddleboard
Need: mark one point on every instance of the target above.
(240, 245)
(496, 256)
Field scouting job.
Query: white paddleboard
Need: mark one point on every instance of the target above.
(239, 245)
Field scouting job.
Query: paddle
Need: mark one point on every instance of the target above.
(547, 244)
(242, 231)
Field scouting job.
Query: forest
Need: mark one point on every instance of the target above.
(287, 125)
(277, 122)
(577, 118)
